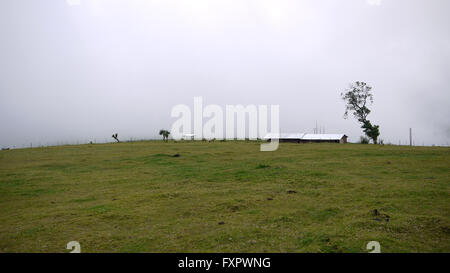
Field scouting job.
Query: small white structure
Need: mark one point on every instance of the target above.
(188, 136)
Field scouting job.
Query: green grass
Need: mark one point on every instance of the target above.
(137, 197)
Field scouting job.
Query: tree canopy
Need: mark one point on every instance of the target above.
(165, 134)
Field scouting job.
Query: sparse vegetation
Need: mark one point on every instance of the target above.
(224, 197)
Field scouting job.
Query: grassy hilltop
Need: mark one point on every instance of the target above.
(225, 197)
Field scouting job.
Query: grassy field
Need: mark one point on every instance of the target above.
(225, 197)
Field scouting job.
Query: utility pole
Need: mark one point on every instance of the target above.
(410, 137)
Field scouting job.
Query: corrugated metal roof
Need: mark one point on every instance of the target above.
(305, 136)
(283, 136)
(323, 136)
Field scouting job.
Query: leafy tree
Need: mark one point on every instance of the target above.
(372, 131)
(357, 98)
(115, 136)
(165, 134)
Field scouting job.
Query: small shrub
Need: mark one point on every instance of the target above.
(364, 140)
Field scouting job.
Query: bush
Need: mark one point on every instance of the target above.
(364, 140)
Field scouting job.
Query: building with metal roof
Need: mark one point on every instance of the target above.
(307, 138)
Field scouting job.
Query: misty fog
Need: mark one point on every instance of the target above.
(78, 72)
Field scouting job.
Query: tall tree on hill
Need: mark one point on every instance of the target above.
(357, 98)
(165, 134)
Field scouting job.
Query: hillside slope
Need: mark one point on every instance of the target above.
(225, 197)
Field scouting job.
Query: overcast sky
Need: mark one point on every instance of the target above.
(79, 72)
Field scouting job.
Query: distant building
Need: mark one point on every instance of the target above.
(188, 137)
(308, 138)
